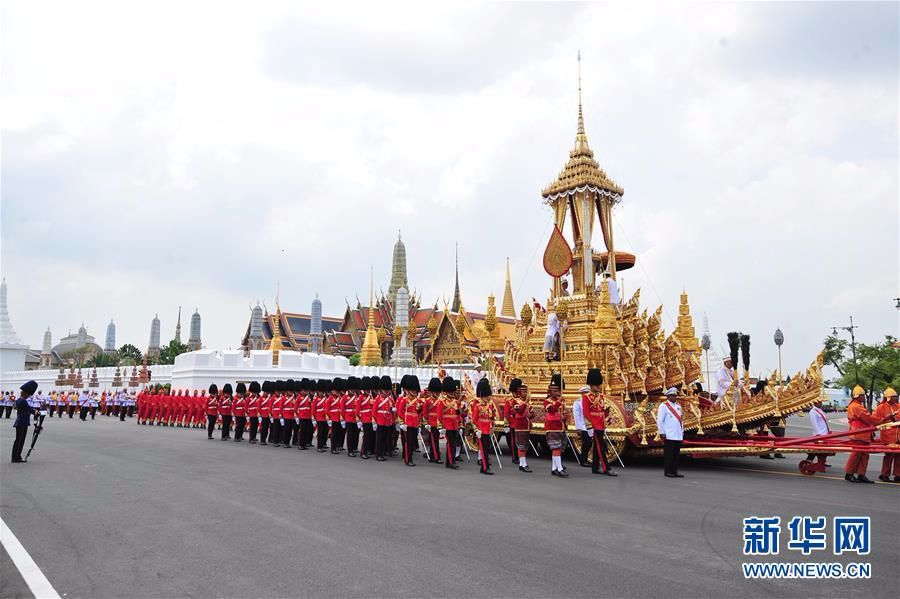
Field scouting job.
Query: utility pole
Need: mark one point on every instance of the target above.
(850, 330)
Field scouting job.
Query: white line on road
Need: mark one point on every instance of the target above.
(33, 576)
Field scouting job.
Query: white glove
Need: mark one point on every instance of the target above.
(441, 431)
(374, 427)
(403, 427)
(296, 421)
(477, 434)
(359, 424)
(428, 427)
(282, 421)
(506, 430)
(393, 409)
(343, 424)
(328, 422)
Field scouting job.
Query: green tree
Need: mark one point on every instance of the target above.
(104, 359)
(354, 359)
(79, 356)
(878, 365)
(129, 355)
(168, 353)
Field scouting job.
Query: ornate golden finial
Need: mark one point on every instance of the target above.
(276, 344)
(370, 354)
(432, 327)
(685, 329)
(580, 137)
(461, 322)
(605, 330)
(526, 314)
(490, 318)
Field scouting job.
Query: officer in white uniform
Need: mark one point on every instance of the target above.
(669, 424)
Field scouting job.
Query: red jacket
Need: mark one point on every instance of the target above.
(518, 414)
(449, 412)
(412, 410)
(484, 414)
(304, 406)
(555, 411)
(594, 409)
(348, 408)
(253, 406)
(239, 406)
(277, 404)
(365, 407)
(212, 405)
(265, 406)
(320, 407)
(289, 407)
(384, 410)
(333, 407)
(225, 405)
(432, 411)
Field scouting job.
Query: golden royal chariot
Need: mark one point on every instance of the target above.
(638, 358)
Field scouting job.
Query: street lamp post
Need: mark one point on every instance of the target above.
(706, 344)
(850, 330)
(779, 341)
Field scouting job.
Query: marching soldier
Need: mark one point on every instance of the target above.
(510, 430)
(384, 418)
(365, 411)
(858, 417)
(335, 415)
(288, 413)
(671, 428)
(448, 407)
(253, 411)
(265, 412)
(276, 406)
(555, 425)
(593, 406)
(519, 415)
(410, 411)
(484, 413)
(432, 415)
(299, 391)
(225, 411)
(889, 411)
(212, 410)
(350, 416)
(239, 412)
(304, 413)
(23, 420)
(320, 412)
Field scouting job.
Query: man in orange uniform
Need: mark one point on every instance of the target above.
(889, 411)
(593, 406)
(555, 425)
(448, 406)
(859, 417)
(484, 412)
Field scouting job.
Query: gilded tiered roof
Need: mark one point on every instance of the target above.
(582, 170)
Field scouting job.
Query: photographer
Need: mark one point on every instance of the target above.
(23, 420)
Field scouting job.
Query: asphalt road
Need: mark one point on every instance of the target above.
(111, 509)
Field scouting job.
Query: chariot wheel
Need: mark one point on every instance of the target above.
(806, 467)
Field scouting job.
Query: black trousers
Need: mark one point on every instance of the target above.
(297, 430)
(240, 424)
(368, 439)
(83, 412)
(337, 436)
(598, 445)
(264, 430)
(254, 427)
(275, 431)
(483, 444)
(321, 434)
(93, 412)
(511, 443)
(409, 443)
(226, 427)
(121, 413)
(287, 432)
(130, 411)
(210, 424)
(352, 437)
(587, 442)
(71, 410)
(671, 450)
(8, 411)
(383, 440)
(306, 432)
(19, 443)
(451, 443)
(434, 444)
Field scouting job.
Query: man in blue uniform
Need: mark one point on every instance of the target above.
(23, 420)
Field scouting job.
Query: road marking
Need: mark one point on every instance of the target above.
(29, 570)
(818, 475)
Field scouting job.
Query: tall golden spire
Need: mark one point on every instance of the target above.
(276, 345)
(581, 142)
(508, 308)
(370, 355)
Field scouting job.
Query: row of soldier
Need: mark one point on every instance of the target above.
(84, 403)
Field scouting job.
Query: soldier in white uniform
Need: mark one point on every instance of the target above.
(724, 377)
(669, 424)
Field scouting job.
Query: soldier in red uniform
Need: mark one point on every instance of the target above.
(410, 409)
(484, 412)
(275, 407)
(253, 411)
(265, 411)
(320, 413)
(335, 422)
(384, 417)
(431, 413)
(519, 415)
(365, 411)
(212, 410)
(448, 407)
(225, 411)
(509, 430)
(239, 411)
(555, 425)
(304, 415)
(288, 413)
(350, 417)
(594, 408)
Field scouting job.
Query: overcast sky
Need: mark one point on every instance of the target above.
(187, 154)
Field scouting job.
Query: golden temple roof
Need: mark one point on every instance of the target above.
(581, 170)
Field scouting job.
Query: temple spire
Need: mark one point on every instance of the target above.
(456, 299)
(508, 308)
(370, 354)
(581, 142)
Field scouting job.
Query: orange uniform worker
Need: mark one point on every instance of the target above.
(859, 417)
(889, 411)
